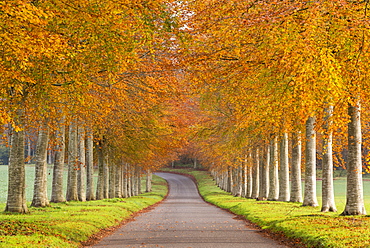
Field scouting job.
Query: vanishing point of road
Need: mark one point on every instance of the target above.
(184, 220)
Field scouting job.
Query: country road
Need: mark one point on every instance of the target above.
(184, 220)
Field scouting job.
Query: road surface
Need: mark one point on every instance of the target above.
(184, 220)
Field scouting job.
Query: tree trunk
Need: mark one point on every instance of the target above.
(274, 173)
(81, 170)
(328, 203)
(265, 174)
(16, 201)
(296, 189)
(244, 177)
(100, 185)
(125, 181)
(112, 181)
(57, 193)
(138, 176)
(29, 149)
(249, 175)
(72, 194)
(310, 198)
(89, 166)
(256, 175)
(129, 180)
(355, 198)
(106, 165)
(149, 175)
(40, 196)
(118, 181)
(284, 169)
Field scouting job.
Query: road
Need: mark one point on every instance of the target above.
(184, 220)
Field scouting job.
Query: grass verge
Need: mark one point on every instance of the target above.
(308, 224)
(69, 224)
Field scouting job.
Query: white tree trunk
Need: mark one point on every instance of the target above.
(125, 181)
(106, 164)
(81, 171)
(149, 175)
(72, 194)
(100, 185)
(118, 181)
(310, 198)
(16, 200)
(256, 175)
(296, 188)
(284, 193)
(57, 193)
(244, 177)
(138, 176)
(355, 198)
(112, 180)
(274, 173)
(328, 203)
(265, 182)
(249, 175)
(40, 196)
(90, 166)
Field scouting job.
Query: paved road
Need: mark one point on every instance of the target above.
(184, 220)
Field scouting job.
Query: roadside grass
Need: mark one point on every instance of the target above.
(312, 227)
(68, 224)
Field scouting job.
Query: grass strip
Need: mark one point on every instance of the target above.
(308, 224)
(69, 224)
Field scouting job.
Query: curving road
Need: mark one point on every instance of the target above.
(184, 220)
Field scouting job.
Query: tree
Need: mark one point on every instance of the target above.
(57, 193)
(328, 203)
(40, 197)
(310, 198)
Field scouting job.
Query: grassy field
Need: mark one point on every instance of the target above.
(68, 224)
(308, 224)
(30, 175)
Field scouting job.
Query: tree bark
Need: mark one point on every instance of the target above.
(106, 165)
(100, 185)
(138, 176)
(310, 198)
(112, 181)
(149, 176)
(355, 198)
(40, 196)
(118, 181)
(57, 193)
(89, 166)
(125, 181)
(274, 173)
(296, 188)
(81, 170)
(256, 175)
(244, 178)
(328, 202)
(265, 174)
(72, 194)
(16, 200)
(284, 194)
(249, 175)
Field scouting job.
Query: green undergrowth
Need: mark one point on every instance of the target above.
(308, 224)
(68, 224)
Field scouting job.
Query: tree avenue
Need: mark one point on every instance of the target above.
(257, 92)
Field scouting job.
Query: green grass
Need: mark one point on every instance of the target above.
(68, 224)
(314, 228)
(30, 176)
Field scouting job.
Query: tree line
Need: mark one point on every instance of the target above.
(273, 75)
(95, 82)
